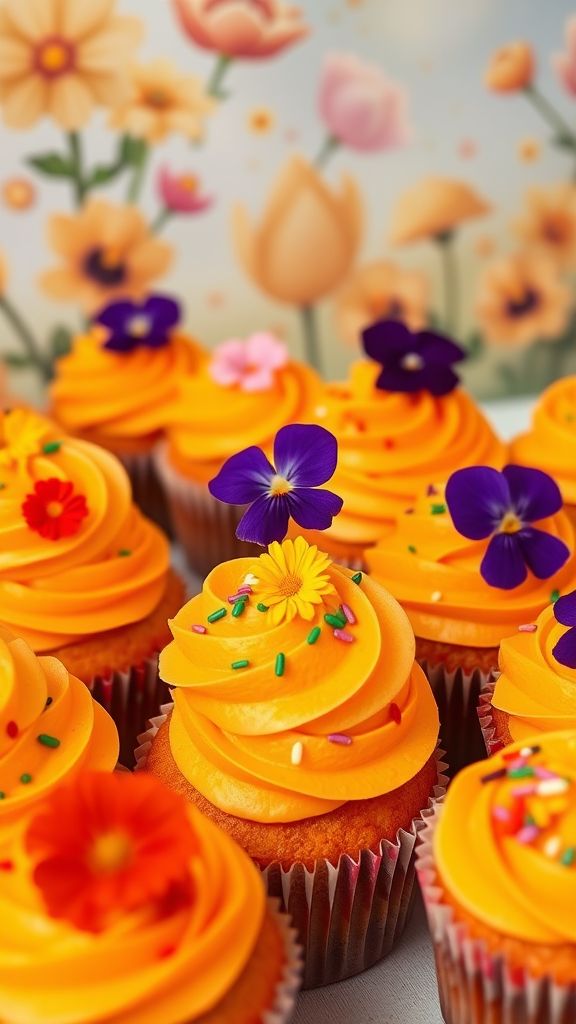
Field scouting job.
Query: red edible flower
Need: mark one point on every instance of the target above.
(53, 510)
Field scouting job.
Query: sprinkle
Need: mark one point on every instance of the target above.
(524, 772)
(436, 596)
(337, 621)
(528, 627)
(2, 795)
(389, 443)
(243, 663)
(501, 813)
(12, 730)
(528, 834)
(2, 486)
(340, 738)
(431, 490)
(552, 787)
(341, 634)
(280, 662)
(313, 635)
(395, 713)
(233, 598)
(500, 773)
(6, 865)
(349, 614)
(48, 741)
(412, 549)
(544, 773)
(438, 509)
(261, 607)
(554, 596)
(409, 511)
(51, 447)
(219, 614)
(357, 577)
(528, 751)
(245, 589)
(250, 580)
(48, 702)
(527, 790)
(25, 779)
(198, 628)
(238, 608)
(124, 553)
(166, 952)
(567, 858)
(297, 753)
(552, 846)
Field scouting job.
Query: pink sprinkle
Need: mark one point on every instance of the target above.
(500, 813)
(409, 511)
(198, 628)
(246, 589)
(233, 598)
(341, 634)
(528, 834)
(348, 613)
(528, 627)
(526, 790)
(544, 773)
(341, 739)
(431, 490)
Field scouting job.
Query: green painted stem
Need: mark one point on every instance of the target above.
(311, 339)
(135, 187)
(27, 339)
(214, 83)
(80, 189)
(160, 220)
(450, 282)
(329, 146)
(549, 113)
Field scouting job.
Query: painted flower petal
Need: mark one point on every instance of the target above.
(265, 521)
(244, 477)
(535, 495)
(503, 564)
(305, 454)
(162, 310)
(543, 553)
(314, 508)
(386, 339)
(435, 348)
(565, 609)
(477, 497)
(565, 649)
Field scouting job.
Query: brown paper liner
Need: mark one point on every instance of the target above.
(486, 719)
(205, 527)
(457, 692)
(147, 489)
(348, 916)
(289, 984)
(475, 985)
(131, 697)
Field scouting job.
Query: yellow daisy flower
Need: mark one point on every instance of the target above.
(22, 434)
(292, 579)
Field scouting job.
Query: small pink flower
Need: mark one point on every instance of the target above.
(241, 28)
(180, 193)
(361, 107)
(250, 363)
(565, 63)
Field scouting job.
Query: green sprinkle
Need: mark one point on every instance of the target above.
(313, 635)
(238, 608)
(48, 741)
(412, 549)
(243, 663)
(51, 447)
(336, 621)
(279, 666)
(554, 596)
(261, 607)
(2, 795)
(124, 552)
(219, 614)
(526, 772)
(438, 509)
(357, 577)
(25, 779)
(2, 486)
(568, 856)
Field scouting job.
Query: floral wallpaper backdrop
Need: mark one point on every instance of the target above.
(300, 172)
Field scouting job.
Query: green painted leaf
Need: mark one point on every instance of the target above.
(52, 164)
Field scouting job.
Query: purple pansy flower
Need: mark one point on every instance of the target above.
(502, 506)
(134, 324)
(305, 456)
(565, 613)
(412, 361)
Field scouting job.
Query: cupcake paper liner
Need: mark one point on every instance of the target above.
(131, 697)
(290, 982)
(457, 693)
(205, 527)
(486, 719)
(348, 916)
(147, 489)
(475, 985)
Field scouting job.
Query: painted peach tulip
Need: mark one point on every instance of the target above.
(433, 208)
(511, 68)
(565, 63)
(307, 238)
(181, 193)
(241, 28)
(360, 106)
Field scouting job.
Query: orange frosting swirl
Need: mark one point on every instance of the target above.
(109, 573)
(550, 444)
(211, 422)
(120, 395)
(535, 690)
(255, 741)
(434, 572)
(50, 971)
(392, 444)
(39, 698)
(522, 887)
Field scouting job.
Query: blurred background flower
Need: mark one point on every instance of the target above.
(511, 68)
(549, 222)
(382, 291)
(161, 102)
(181, 193)
(241, 28)
(18, 193)
(564, 63)
(521, 298)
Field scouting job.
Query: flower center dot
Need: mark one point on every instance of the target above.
(523, 304)
(290, 585)
(54, 509)
(157, 98)
(412, 361)
(54, 57)
(105, 266)
(189, 182)
(139, 326)
(278, 486)
(110, 852)
(510, 523)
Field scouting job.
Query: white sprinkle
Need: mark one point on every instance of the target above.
(527, 751)
(552, 846)
(297, 754)
(552, 787)
(250, 580)
(321, 410)
(436, 596)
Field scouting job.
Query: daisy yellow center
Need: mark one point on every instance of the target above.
(510, 523)
(289, 585)
(54, 57)
(278, 486)
(110, 852)
(189, 182)
(54, 509)
(139, 326)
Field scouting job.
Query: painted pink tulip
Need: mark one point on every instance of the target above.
(241, 28)
(361, 107)
(565, 63)
(181, 193)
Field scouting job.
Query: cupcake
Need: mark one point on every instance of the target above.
(470, 564)
(402, 423)
(120, 903)
(536, 689)
(117, 386)
(50, 730)
(83, 575)
(241, 396)
(550, 443)
(497, 866)
(302, 725)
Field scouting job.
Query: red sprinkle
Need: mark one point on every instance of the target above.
(389, 443)
(395, 713)
(12, 730)
(166, 952)
(6, 865)
(245, 589)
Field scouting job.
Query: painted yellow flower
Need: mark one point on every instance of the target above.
(261, 120)
(161, 103)
(18, 193)
(22, 434)
(292, 579)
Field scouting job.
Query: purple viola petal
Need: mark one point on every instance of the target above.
(394, 378)
(565, 609)
(543, 553)
(477, 498)
(116, 314)
(535, 495)
(313, 508)
(244, 477)
(264, 521)
(163, 311)
(386, 340)
(435, 348)
(305, 454)
(565, 650)
(120, 343)
(503, 564)
(440, 380)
